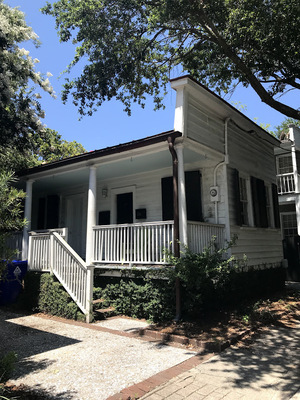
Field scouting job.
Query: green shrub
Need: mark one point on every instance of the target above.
(210, 281)
(97, 293)
(54, 300)
(7, 365)
(152, 299)
(204, 277)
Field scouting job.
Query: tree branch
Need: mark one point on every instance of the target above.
(211, 29)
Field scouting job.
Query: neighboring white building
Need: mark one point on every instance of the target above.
(116, 204)
(287, 162)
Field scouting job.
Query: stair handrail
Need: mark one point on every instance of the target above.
(81, 295)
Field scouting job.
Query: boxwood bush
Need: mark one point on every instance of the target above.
(42, 292)
(209, 282)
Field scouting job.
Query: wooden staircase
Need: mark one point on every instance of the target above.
(100, 311)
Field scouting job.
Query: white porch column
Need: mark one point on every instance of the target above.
(183, 236)
(91, 214)
(27, 215)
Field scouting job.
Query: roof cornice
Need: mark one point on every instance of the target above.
(97, 154)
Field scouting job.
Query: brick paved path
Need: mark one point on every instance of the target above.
(269, 369)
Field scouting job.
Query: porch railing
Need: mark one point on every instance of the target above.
(286, 183)
(39, 248)
(200, 235)
(71, 271)
(144, 243)
(48, 251)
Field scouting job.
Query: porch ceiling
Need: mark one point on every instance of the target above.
(130, 165)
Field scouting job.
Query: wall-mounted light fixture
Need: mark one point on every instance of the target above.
(104, 192)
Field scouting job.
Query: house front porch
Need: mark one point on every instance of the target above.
(130, 245)
(138, 245)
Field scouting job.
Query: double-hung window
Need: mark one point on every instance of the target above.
(256, 202)
(289, 224)
(284, 164)
(244, 201)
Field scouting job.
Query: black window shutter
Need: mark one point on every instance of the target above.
(236, 196)
(41, 213)
(262, 201)
(259, 202)
(193, 195)
(167, 198)
(52, 215)
(275, 205)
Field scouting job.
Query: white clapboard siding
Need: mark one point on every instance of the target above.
(204, 128)
(250, 155)
(147, 192)
(260, 245)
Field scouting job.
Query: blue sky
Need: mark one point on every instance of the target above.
(110, 125)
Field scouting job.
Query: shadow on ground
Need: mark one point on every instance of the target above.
(26, 342)
(271, 361)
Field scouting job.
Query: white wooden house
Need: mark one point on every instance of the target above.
(287, 163)
(115, 206)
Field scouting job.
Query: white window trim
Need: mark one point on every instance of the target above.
(281, 220)
(286, 155)
(271, 206)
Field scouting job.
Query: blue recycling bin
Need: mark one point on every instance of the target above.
(11, 286)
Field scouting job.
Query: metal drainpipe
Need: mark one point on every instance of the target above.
(176, 222)
(221, 163)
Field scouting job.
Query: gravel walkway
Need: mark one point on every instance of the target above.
(76, 362)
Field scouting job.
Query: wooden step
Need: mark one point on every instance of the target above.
(105, 310)
(98, 301)
(102, 313)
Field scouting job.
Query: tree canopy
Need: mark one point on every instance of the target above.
(24, 140)
(20, 111)
(129, 47)
(283, 128)
(47, 147)
(55, 148)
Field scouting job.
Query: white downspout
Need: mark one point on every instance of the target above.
(226, 160)
(223, 163)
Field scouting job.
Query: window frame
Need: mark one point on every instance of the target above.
(284, 214)
(249, 207)
(281, 157)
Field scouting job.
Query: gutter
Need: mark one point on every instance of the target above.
(98, 154)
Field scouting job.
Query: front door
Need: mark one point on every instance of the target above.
(125, 208)
(74, 222)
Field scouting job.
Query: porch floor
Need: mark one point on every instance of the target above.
(129, 267)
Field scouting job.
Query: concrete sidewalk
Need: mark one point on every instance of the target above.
(268, 369)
